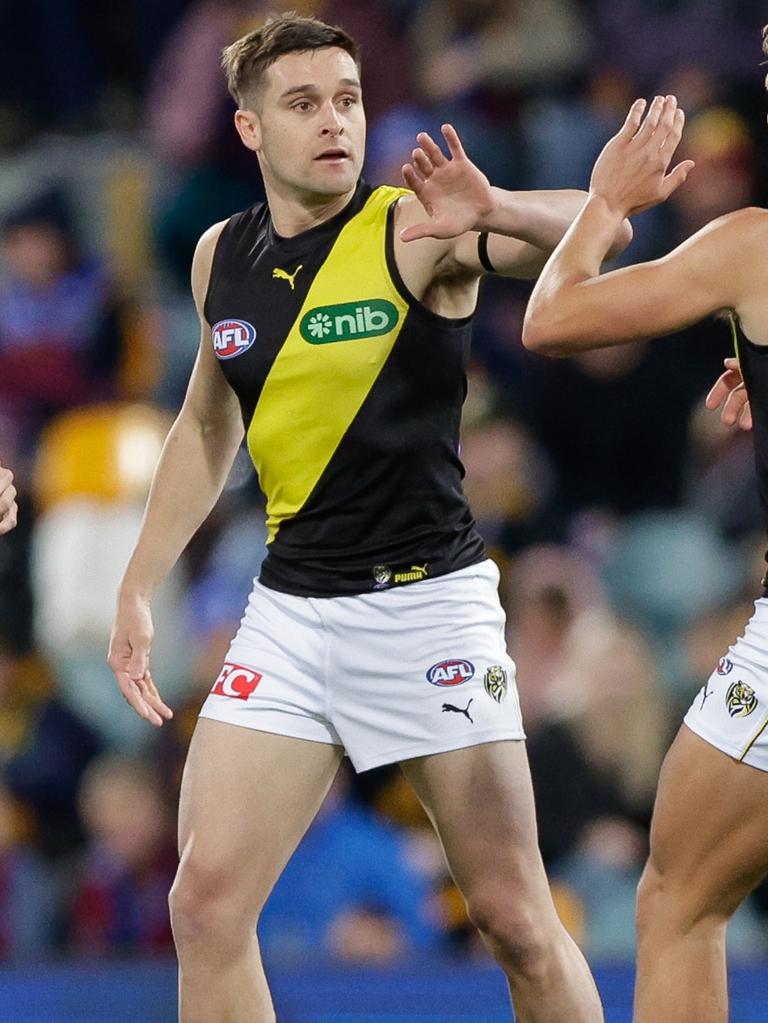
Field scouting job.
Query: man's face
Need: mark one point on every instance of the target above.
(309, 125)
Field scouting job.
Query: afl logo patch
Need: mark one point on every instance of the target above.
(232, 337)
(450, 673)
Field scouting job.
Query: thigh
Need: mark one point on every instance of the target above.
(247, 797)
(709, 836)
(480, 801)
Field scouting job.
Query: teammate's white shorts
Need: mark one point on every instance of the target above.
(388, 676)
(731, 710)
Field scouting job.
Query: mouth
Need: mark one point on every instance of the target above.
(332, 156)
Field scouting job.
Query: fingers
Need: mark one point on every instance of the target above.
(412, 178)
(674, 133)
(453, 142)
(629, 129)
(153, 699)
(723, 386)
(431, 148)
(652, 118)
(425, 230)
(734, 407)
(138, 662)
(675, 178)
(422, 162)
(147, 704)
(8, 509)
(730, 392)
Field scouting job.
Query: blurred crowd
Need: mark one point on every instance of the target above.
(623, 516)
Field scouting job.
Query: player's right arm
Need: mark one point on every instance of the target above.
(574, 307)
(190, 475)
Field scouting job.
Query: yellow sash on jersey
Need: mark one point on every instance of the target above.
(328, 364)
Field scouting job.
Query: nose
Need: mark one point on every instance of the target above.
(332, 124)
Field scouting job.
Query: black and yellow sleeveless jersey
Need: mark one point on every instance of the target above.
(351, 395)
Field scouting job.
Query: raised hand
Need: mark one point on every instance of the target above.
(632, 172)
(455, 194)
(8, 509)
(129, 660)
(730, 392)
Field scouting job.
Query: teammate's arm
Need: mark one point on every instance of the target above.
(190, 475)
(523, 227)
(574, 308)
(8, 509)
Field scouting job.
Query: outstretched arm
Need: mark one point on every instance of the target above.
(574, 308)
(524, 227)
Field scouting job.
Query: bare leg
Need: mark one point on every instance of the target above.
(246, 800)
(481, 803)
(709, 848)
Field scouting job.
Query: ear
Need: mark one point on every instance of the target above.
(249, 129)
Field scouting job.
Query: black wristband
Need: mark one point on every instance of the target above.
(482, 253)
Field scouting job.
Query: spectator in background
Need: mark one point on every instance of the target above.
(350, 890)
(26, 892)
(497, 44)
(120, 902)
(44, 749)
(61, 334)
(595, 763)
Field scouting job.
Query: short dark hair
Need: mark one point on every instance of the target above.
(246, 60)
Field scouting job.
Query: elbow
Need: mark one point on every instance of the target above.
(542, 337)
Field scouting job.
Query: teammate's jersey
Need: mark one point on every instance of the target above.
(753, 360)
(351, 395)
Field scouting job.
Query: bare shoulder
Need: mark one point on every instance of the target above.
(425, 260)
(202, 260)
(408, 212)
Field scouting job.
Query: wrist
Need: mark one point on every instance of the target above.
(608, 205)
(132, 592)
(488, 218)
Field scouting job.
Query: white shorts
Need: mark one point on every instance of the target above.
(390, 675)
(731, 709)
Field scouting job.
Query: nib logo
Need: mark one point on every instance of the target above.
(349, 321)
(236, 682)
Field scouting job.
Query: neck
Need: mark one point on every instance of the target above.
(291, 213)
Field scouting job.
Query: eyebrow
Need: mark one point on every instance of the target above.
(350, 83)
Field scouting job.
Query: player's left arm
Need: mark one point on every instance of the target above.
(522, 227)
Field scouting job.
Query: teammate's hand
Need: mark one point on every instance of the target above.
(730, 392)
(129, 660)
(8, 510)
(631, 173)
(456, 195)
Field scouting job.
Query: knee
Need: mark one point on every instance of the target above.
(206, 908)
(518, 938)
(671, 902)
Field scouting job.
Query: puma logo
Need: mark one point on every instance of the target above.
(459, 710)
(283, 275)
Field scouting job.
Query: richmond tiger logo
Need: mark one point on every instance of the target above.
(740, 699)
(495, 682)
